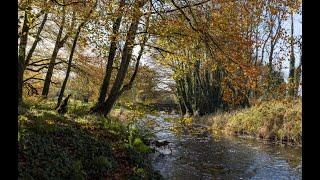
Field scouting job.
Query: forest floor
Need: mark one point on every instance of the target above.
(279, 121)
(79, 145)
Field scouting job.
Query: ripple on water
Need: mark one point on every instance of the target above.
(196, 155)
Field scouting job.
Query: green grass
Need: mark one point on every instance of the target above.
(273, 120)
(77, 145)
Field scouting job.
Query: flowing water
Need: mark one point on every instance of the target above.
(193, 153)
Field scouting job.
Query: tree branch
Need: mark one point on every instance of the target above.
(159, 48)
(177, 9)
(31, 77)
(40, 79)
(74, 2)
(43, 66)
(35, 62)
(205, 35)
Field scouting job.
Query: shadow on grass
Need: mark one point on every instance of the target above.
(73, 146)
(52, 146)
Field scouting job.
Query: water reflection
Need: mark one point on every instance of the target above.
(195, 154)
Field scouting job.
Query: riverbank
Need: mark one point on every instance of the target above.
(277, 121)
(193, 153)
(79, 145)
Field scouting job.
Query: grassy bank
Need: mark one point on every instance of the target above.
(279, 121)
(78, 145)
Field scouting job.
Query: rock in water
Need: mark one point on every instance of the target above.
(63, 106)
(196, 114)
(160, 143)
(121, 110)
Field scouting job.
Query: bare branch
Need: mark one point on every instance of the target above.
(40, 79)
(74, 2)
(31, 77)
(43, 66)
(182, 7)
(159, 48)
(35, 62)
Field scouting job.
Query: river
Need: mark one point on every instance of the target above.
(193, 153)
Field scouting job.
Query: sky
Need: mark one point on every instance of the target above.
(297, 32)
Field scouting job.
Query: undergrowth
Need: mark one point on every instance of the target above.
(79, 145)
(278, 120)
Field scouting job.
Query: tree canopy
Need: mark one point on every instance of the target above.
(218, 54)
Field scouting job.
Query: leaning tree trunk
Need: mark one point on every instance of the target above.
(74, 44)
(37, 39)
(62, 109)
(59, 43)
(126, 56)
(129, 85)
(64, 84)
(106, 107)
(112, 53)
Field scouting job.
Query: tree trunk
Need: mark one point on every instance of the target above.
(74, 44)
(20, 82)
(196, 86)
(37, 39)
(64, 84)
(56, 49)
(112, 53)
(126, 56)
(298, 77)
(256, 47)
(270, 77)
(185, 97)
(189, 90)
(106, 107)
(62, 109)
(22, 55)
(292, 63)
(128, 86)
(183, 109)
(216, 93)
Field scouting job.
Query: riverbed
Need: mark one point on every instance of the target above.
(194, 153)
